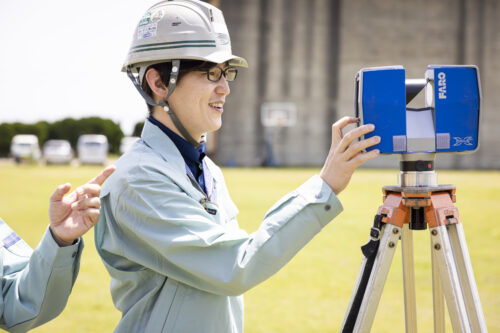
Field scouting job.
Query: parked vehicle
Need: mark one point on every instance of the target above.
(127, 142)
(24, 147)
(92, 149)
(57, 152)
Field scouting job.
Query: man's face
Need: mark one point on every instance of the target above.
(198, 102)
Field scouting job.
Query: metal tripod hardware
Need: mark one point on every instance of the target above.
(451, 266)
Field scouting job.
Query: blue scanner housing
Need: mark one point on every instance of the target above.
(381, 101)
(456, 100)
(449, 122)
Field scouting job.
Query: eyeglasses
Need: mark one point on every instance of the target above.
(215, 73)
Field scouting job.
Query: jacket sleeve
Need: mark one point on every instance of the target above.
(151, 222)
(36, 286)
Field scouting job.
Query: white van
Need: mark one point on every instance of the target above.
(92, 149)
(57, 152)
(24, 147)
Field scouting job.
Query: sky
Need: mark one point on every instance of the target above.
(62, 59)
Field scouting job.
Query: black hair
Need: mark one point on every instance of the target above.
(165, 68)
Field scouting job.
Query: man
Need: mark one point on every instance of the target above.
(168, 233)
(36, 283)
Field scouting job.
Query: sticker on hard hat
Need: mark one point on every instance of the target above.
(222, 39)
(147, 31)
(157, 16)
(145, 19)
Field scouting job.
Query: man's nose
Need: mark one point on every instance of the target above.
(222, 87)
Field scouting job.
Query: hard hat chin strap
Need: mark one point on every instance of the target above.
(172, 83)
(179, 125)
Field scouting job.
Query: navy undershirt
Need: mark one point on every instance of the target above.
(192, 156)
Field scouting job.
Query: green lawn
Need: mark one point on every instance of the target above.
(312, 292)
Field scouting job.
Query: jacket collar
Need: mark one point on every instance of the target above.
(162, 145)
(193, 156)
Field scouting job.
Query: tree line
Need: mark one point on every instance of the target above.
(67, 129)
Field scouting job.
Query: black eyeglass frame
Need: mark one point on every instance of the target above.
(222, 72)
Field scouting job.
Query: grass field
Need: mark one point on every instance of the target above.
(312, 292)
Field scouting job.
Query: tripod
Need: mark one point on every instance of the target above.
(416, 203)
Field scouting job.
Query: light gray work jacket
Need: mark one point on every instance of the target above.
(179, 263)
(35, 283)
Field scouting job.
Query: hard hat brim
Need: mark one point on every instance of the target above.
(221, 57)
(217, 58)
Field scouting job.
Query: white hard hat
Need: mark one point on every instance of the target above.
(176, 30)
(181, 29)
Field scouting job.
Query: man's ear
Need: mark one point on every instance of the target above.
(157, 87)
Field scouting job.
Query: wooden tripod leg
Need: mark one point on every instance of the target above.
(437, 295)
(409, 280)
(371, 298)
(466, 275)
(450, 282)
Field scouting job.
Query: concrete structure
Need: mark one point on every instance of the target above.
(307, 52)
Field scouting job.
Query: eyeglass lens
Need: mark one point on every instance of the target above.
(215, 73)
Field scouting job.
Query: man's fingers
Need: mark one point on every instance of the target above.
(60, 191)
(87, 203)
(91, 215)
(360, 146)
(99, 179)
(338, 126)
(344, 121)
(364, 157)
(88, 190)
(354, 135)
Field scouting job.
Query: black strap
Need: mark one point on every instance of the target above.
(180, 127)
(370, 252)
